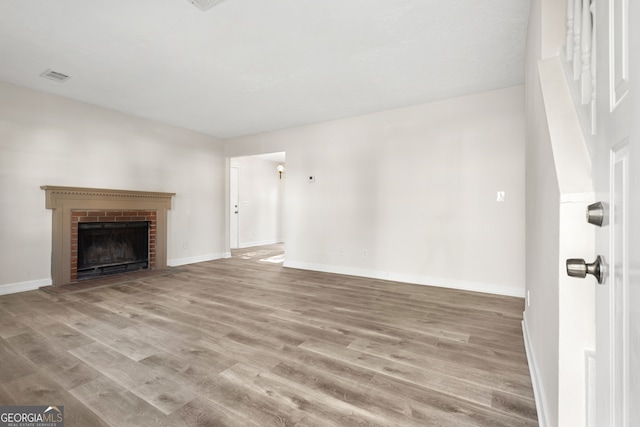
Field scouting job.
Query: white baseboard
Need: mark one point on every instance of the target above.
(258, 243)
(410, 278)
(538, 389)
(13, 288)
(192, 260)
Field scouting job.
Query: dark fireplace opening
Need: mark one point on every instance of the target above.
(112, 247)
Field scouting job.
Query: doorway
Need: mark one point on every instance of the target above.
(256, 201)
(234, 202)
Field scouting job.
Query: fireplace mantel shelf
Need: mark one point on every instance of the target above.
(64, 200)
(53, 193)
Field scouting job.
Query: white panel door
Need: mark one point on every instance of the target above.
(234, 208)
(616, 167)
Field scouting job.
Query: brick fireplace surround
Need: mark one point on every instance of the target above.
(111, 216)
(74, 205)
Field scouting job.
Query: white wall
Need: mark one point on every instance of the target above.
(46, 139)
(414, 187)
(260, 190)
(543, 236)
(559, 323)
(576, 317)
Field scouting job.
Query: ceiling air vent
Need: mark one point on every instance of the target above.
(56, 76)
(205, 4)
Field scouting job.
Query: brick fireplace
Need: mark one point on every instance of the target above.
(74, 205)
(111, 217)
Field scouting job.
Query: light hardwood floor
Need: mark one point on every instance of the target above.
(242, 342)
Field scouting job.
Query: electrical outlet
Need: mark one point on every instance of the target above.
(365, 253)
(500, 196)
(341, 252)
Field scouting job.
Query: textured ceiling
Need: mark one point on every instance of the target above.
(248, 66)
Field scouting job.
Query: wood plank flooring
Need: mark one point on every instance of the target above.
(243, 342)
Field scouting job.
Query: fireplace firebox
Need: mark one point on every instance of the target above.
(112, 247)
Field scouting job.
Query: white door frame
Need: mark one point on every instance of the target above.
(234, 207)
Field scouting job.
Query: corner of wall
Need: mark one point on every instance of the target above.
(557, 333)
(536, 379)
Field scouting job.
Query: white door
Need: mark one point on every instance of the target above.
(235, 211)
(616, 178)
